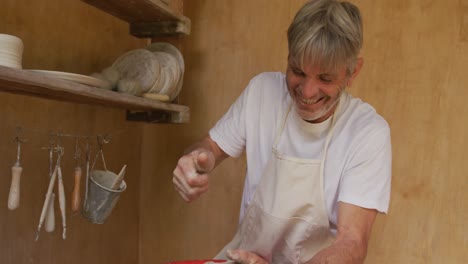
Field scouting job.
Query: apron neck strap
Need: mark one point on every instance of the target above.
(280, 129)
(330, 131)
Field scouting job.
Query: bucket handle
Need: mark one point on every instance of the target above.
(101, 140)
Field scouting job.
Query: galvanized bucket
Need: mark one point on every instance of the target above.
(101, 199)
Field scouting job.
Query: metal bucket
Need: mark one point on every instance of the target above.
(101, 199)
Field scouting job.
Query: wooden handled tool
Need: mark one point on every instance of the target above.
(14, 195)
(76, 199)
(118, 180)
(62, 203)
(76, 194)
(49, 224)
(16, 171)
(88, 158)
(50, 213)
(47, 198)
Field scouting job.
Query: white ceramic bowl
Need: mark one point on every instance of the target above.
(11, 51)
(138, 64)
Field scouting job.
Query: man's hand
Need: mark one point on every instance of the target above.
(191, 174)
(245, 257)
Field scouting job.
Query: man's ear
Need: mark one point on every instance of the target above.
(355, 73)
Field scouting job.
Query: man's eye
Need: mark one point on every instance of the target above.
(325, 79)
(298, 72)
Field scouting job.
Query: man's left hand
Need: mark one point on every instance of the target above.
(245, 257)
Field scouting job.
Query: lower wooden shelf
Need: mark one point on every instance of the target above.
(33, 84)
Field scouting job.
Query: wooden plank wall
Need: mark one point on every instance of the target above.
(65, 36)
(416, 55)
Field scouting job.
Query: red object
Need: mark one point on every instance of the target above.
(196, 261)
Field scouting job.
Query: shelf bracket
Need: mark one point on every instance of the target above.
(158, 116)
(160, 29)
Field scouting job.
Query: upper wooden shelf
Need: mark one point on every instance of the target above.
(147, 18)
(35, 84)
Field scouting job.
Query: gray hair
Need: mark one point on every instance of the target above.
(327, 33)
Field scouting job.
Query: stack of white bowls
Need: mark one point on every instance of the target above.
(11, 51)
(158, 70)
(172, 69)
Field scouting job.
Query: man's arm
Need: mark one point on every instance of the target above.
(354, 228)
(190, 177)
(209, 145)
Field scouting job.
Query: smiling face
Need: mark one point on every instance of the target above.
(316, 92)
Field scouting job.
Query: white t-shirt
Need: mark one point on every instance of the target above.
(357, 168)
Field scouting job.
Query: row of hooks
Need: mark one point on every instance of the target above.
(56, 148)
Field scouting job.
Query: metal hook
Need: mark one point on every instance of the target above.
(50, 148)
(103, 140)
(59, 149)
(19, 140)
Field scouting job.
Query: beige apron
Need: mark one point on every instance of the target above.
(287, 221)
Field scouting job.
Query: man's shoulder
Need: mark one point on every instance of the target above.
(268, 86)
(361, 117)
(269, 80)
(273, 77)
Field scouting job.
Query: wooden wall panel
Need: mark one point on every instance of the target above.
(414, 74)
(65, 36)
(231, 41)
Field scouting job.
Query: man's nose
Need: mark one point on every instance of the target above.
(309, 88)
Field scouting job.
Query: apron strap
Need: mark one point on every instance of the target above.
(280, 128)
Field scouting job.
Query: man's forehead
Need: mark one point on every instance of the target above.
(319, 67)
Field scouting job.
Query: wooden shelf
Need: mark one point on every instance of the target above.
(35, 84)
(147, 18)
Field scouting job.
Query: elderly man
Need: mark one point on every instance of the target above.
(318, 159)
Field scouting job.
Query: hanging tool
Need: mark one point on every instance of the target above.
(16, 171)
(88, 157)
(118, 180)
(76, 199)
(49, 192)
(61, 192)
(62, 202)
(49, 225)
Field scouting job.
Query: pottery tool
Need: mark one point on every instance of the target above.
(88, 153)
(61, 192)
(76, 199)
(49, 192)
(118, 180)
(49, 225)
(62, 202)
(16, 171)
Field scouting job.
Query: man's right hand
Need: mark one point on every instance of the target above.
(191, 174)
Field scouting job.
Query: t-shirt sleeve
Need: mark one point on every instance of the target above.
(230, 131)
(367, 180)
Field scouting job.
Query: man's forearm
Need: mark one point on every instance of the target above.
(341, 252)
(208, 144)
